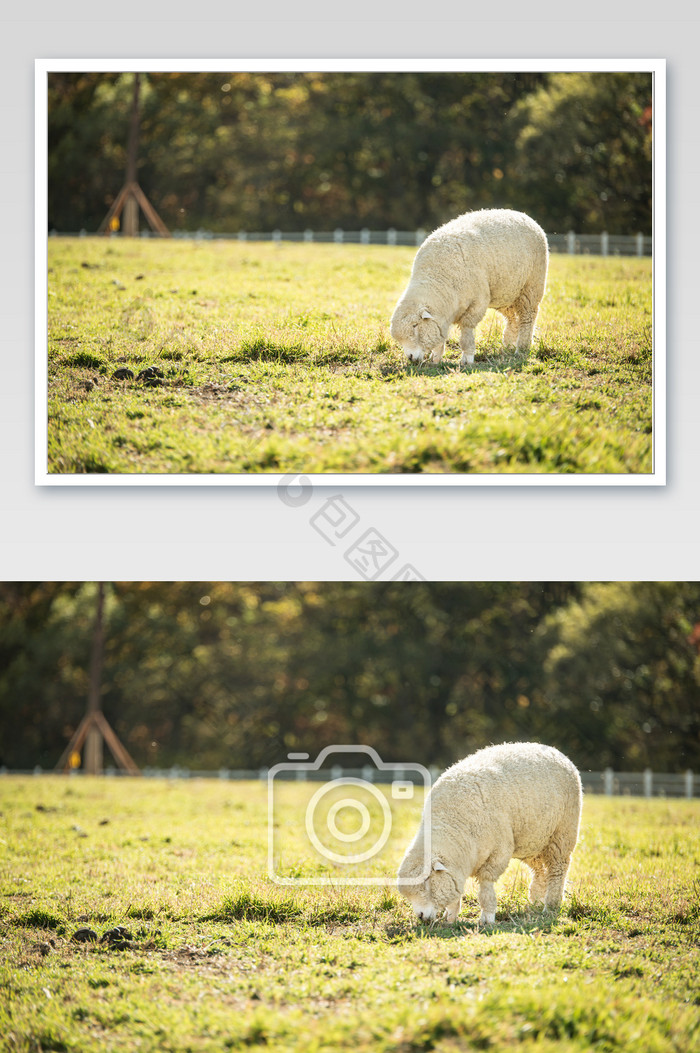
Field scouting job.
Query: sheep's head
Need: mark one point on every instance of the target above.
(417, 332)
(434, 894)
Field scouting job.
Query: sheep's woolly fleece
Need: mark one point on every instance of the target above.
(519, 800)
(492, 258)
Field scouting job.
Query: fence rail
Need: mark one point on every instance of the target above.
(572, 244)
(610, 783)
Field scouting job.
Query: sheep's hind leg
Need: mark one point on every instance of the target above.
(512, 329)
(526, 330)
(556, 880)
(521, 316)
(538, 884)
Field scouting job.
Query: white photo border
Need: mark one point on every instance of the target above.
(655, 66)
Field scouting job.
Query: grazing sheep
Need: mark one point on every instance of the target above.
(518, 800)
(493, 258)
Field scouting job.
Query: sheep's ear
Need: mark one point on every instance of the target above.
(437, 865)
(426, 314)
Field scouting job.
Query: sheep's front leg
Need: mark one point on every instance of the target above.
(488, 901)
(487, 876)
(467, 343)
(437, 353)
(468, 323)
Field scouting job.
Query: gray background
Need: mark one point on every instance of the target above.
(477, 533)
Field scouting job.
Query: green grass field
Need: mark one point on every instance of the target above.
(218, 957)
(277, 358)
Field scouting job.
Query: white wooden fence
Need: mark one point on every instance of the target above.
(611, 783)
(603, 244)
(642, 784)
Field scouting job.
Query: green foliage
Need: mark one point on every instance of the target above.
(229, 960)
(276, 358)
(628, 642)
(259, 151)
(234, 675)
(597, 150)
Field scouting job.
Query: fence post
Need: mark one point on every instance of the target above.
(338, 236)
(364, 236)
(648, 782)
(368, 773)
(571, 243)
(308, 235)
(609, 782)
(276, 236)
(640, 244)
(420, 237)
(391, 236)
(604, 241)
(242, 235)
(689, 783)
(336, 772)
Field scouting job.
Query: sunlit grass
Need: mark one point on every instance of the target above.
(277, 358)
(218, 956)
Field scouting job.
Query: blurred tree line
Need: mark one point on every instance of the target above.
(259, 151)
(235, 674)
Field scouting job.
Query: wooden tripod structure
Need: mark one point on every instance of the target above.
(131, 196)
(94, 730)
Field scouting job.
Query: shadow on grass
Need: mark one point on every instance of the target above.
(525, 923)
(488, 360)
(385, 916)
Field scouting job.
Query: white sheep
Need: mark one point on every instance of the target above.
(517, 800)
(492, 258)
